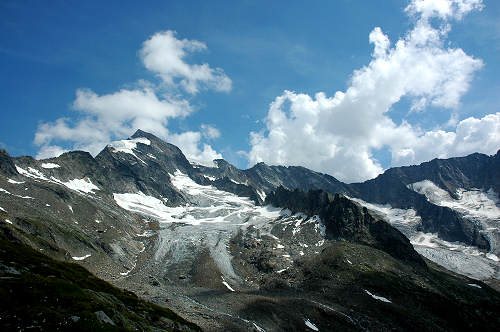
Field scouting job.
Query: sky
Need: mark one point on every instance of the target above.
(348, 87)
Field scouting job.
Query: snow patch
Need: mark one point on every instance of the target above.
(493, 257)
(2, 209)
(9, 193)
(8, 221)
(81, 185)
(31, 173)
(50, 165)
(70, 208)
(81, 258)
(310, 325)
(258, 328)
(15, 182)
(391, 214)
(474, 285)
(227, 285)
(376, 297)
(124, 274)
(129, 145)
(97, 221)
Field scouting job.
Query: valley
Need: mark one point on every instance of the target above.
(270, 248)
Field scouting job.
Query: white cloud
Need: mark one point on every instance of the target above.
(111, 116)
(471, 135)
(48, 151)
(337, 134)
(103, 118)
(189, 143)
(443, 9)
(164, 54)
(209, 131)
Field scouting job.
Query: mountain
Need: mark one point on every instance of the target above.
(40, 293)
(269, 248)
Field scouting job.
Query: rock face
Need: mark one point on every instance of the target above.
(270, 247)
(476, 171)
(6, 164)
(345, 220)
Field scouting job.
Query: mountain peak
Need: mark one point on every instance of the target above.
(141, 133)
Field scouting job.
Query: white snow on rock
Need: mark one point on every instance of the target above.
(14, 181)
(32, 173)
(474, 285)
(493, 257)
(50, 165)
(211, 178)
(129, 145)
(258, 328)
(124, 274)
(8, 221)
(2, 209)
(70, 208)
(81, 258)
(207, 222)
(476, 204)
(391, 214)
(9, 193)
(454, 256)
(376, 297)
(227, 285)
(310, 325)
(81, 185)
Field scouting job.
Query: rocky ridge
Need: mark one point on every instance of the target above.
(202, 241)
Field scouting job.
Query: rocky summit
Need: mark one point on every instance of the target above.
(140, 238)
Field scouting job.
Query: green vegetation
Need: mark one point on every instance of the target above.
(40, 293)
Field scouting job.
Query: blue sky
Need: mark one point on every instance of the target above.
(259, 50)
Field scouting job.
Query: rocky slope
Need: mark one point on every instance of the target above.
(42, 294)
(205, 241)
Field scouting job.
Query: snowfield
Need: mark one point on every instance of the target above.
(475, 204)
(456, 256)
(129, 145)
(208, 222)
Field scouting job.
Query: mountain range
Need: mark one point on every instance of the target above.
(269, 248)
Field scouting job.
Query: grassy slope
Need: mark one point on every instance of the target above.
(40, 293)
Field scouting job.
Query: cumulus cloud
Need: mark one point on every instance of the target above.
(338, 134)
(443, 9)
(471, 135)
(164, 55)
(189, 143)
(210, 131)
(103, 118)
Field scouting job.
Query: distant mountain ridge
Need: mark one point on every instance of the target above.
(124, 172)
(142, 216)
